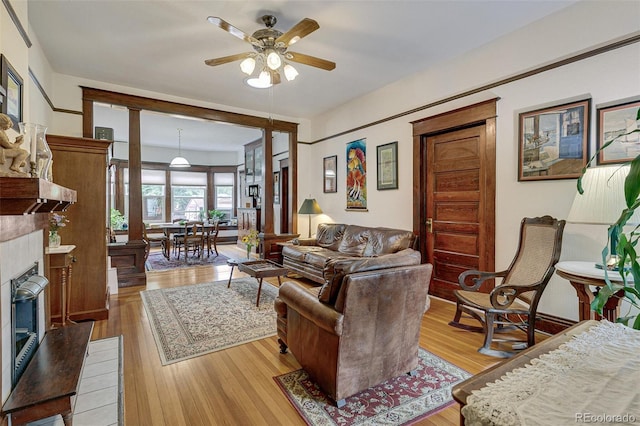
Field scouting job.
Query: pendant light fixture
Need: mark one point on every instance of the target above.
(179, 161)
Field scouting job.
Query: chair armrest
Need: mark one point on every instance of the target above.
(308, 305)
(503, 296)
(304, 242)
(480, 277)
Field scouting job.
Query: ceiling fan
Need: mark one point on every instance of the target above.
(271, 55)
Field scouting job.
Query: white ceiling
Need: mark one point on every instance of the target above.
(161, 46)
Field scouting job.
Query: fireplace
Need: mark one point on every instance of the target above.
(25, 319)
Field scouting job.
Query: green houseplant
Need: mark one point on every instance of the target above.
(117, 220)
(216, 214)
(627, 265)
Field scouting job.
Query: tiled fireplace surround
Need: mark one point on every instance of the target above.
(16, 256)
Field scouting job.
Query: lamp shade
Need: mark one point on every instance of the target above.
(179, 162)
(603, 197)
(310, 206)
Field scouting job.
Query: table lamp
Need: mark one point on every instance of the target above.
(602, 201)
(310, 206)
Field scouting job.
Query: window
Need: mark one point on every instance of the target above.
(223, 190)
(188, 195)
(153, 195)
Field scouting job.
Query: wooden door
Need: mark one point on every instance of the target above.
(454, 178)
(284, 200)
(454, 213)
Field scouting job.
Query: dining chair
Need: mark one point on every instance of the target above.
(178, 237)
(193, 239)
(155, 238)
(211, 237)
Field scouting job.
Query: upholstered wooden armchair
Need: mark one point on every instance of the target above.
(512, 304)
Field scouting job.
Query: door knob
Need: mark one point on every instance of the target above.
(429, 223)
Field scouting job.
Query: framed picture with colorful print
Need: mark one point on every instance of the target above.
(553, 142)
(618, 123)
(356, 154)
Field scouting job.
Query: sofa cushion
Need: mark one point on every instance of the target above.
(338, 268)
(329, 235)
(387, 240)
(354, 240)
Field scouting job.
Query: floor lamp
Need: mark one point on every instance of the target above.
(310, 206)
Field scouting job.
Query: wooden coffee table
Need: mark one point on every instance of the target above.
(260, 269)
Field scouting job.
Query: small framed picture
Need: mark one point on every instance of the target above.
(617, 122)
(388, 166)
(553, 142)
(329, 174)
(276, 187)
(12, 85)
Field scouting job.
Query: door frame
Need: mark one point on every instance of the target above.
(477, 114)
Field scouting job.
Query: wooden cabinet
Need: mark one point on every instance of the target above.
(81, 163)
(248, 219)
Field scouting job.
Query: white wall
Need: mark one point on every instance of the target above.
(604, 78)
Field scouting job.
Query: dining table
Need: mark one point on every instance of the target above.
(173, 228)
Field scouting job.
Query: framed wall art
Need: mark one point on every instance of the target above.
(553, 142)
(330, 174)
(614, 121)
(276, 187)
(387, 166)
(356, 155)
(12, 85)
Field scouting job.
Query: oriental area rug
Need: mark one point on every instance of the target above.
(157, 261)
(400, 401)
(194, 320)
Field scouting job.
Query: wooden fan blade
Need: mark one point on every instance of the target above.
(299, 30)
(311, 60)
(226, 59)
(224, 25)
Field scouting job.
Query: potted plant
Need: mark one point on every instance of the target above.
(627, 265)
(216, 214)
(117, 220)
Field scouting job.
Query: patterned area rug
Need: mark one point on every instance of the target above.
(157, 261)
(399, 401)
(194, 320)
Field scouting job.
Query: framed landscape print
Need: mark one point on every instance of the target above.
(614, 122)
(12, 84)
(356, 154)
(330, 174)
(553, 142)
(388, 166)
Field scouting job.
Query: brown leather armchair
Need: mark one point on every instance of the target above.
(364, 336)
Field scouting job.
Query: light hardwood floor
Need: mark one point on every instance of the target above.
(235, 386)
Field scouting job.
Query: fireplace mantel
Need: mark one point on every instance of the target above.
(21, 196)
(32, 195)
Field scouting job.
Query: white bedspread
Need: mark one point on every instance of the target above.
(594, 378)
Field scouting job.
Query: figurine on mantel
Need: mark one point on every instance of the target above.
(13, 150)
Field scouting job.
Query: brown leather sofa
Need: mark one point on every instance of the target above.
(366, 333)
(313, 257)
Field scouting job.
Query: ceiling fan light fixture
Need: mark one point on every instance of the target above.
(273, 60)
(248, 65)
(290, 72)
(263, 81)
